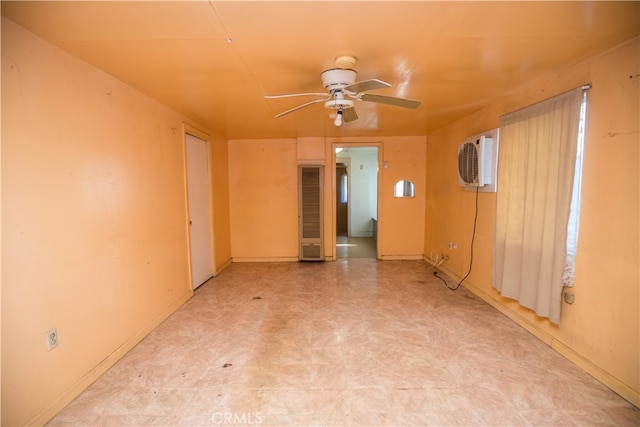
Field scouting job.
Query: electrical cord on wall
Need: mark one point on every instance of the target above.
(473, 237)
(435, 260)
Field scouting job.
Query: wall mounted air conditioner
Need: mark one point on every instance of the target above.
(478, 161)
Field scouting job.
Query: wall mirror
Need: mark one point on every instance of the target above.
(404, 188)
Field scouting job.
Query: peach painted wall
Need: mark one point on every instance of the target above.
(263, 187)
(600, 331)
(94, 224)
(400, 223)
(263, 200)
(311, 150)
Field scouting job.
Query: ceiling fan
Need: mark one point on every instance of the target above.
(342, 90)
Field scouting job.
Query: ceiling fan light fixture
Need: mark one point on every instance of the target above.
(338, 119)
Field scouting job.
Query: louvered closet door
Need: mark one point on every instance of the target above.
(310, 213)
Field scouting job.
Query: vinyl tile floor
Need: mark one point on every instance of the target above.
(346, 343)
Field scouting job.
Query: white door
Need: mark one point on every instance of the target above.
(199, 210)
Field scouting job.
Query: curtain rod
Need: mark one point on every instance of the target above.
(584, 87)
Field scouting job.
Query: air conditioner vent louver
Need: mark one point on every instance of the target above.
(468, 163)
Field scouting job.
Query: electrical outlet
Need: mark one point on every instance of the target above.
(453, 246)
(52, 339)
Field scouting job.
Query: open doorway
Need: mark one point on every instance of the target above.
(342, 197)
(356, 172)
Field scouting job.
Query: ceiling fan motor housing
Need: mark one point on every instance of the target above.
(337, 78)
(339, 104)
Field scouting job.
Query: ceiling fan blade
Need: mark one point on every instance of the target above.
(289, 95)
(366, 85)
(315, 101)
(349, 115)
(391, 100)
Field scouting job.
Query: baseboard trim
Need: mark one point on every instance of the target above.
(401, 257)
(221, 268)
(102, 367)
(618, 386)
(274, 259)
(623, 389)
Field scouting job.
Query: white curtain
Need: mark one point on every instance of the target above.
(535, 181)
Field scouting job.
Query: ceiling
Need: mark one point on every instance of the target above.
(215, 61)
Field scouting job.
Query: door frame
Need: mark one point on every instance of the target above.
(380, 218)
(347, 160)
(190, 130)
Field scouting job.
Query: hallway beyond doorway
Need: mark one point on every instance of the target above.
(355, 247)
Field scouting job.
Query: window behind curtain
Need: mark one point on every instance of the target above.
(574, 214)
(536, 168)
(344, 188)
